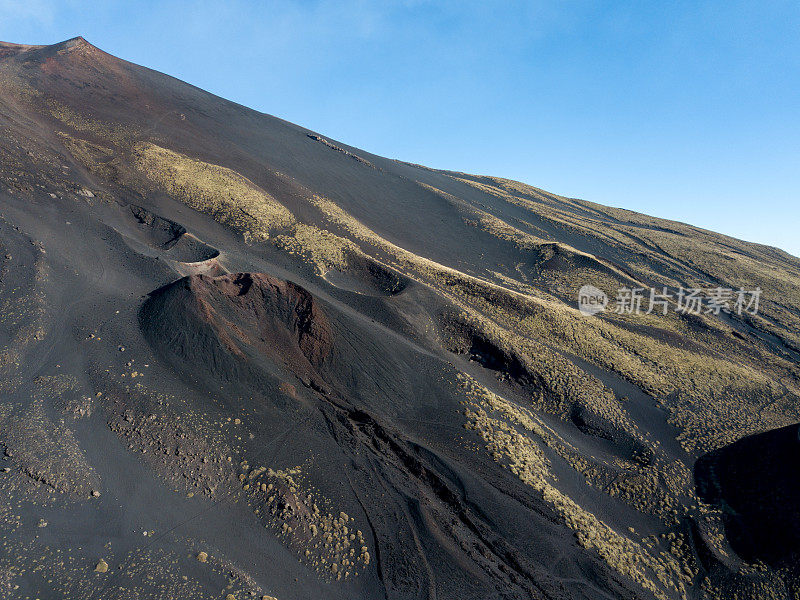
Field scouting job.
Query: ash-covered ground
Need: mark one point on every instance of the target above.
(239, 359)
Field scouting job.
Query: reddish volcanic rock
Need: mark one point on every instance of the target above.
(246, 316)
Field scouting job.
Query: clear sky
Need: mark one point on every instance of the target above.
(688, 110)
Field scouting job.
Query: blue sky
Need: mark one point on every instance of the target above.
(685, 110)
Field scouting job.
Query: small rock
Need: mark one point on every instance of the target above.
(202, 557)
(102, 567)
(42, 523)
(95, 494)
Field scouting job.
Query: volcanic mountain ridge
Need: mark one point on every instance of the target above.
(239, 358)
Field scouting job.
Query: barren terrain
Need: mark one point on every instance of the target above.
(239, 359)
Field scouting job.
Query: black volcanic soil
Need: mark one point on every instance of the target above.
(756, 482)
(239, 359)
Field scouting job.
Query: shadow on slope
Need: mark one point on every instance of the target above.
(756, 483)
(515, 369)
(247, 328)
(170, 237)
(367, 277)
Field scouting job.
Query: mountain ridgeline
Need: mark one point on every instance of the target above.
(240, 359)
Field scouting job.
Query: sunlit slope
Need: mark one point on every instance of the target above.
(461, 400)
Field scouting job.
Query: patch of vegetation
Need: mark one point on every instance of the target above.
(43, 450)
(509, 435)
(113, 132)
(327, 541)
(23, 315)
(99, 159)
(227, 196)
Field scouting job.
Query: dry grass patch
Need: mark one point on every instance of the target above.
(326, 540)
(46, 450)
(509, 436)
(222, 193)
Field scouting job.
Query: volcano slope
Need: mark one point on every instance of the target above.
(240, 359)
